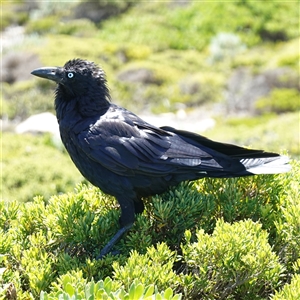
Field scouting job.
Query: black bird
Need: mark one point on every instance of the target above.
(129, 158)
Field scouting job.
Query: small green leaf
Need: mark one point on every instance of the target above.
(139, 290)
(158, 297)
(100, 292)
(168, 293)
(107, 284)
(132, 291)
(90, 290)
(149, 291)
(69, 289)
(65, 280)
(43, 296)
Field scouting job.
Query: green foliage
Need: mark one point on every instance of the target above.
(79, 222)
(201, 89)
(44, 25)
(179, 209)
(272, 132)
(290, 291)
(255, 198)
(46, 9)
(242, 242)
(180, 28)
(30, 166)
(51, 24)
(74, 286)
(279, 101)
(156, 263)
(26, 98)
(235, 260)
(172, 45)
(81, 27)
(288, 224)
(9, 15)
(37, 263)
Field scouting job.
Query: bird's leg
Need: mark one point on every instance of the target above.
(113, 241)
(138, 206)
(126, 221)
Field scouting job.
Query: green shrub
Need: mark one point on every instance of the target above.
(201, 89)
(31, 167)
(49, 249)
(44, 25)
(43, 246)
(235, 260)
(178, 210)
(26, 98)
(82, 219)
(46, 9)
(269, 132)
(291, 61)
(279, 101)
(52, 24)
(288, 223)
(80, 27)
(73, 285)
(193, 26)
(11, 14)
(289, 291)
(234, 199)
(134, 52)
(156, 263)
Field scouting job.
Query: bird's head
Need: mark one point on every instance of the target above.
(76, 78)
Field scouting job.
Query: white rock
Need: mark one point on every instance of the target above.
(39, 123)
(182, 121)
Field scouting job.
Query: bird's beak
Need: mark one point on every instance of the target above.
(51, 73)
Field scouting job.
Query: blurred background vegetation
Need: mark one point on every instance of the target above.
(235, 62)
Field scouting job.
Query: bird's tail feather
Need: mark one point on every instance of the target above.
(271, 165)
(254, 161)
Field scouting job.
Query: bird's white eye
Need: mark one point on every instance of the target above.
(70, 75)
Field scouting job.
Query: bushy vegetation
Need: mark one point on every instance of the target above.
(280, 101)
(290, 291)
(200, 21)
(74, 285)
(185, 42)
(269, 131)
(211, 239)
(34, 166)
(17, 102)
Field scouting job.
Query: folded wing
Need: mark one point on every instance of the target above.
(130, 148)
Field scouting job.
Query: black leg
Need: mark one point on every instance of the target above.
(126, 221)
(127, 210)
(113, 241)
(138, 206)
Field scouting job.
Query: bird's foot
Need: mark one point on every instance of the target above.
(108, 247)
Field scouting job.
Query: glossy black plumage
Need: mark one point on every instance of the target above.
(127, 157)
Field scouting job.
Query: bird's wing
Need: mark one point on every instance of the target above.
(132, 146)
